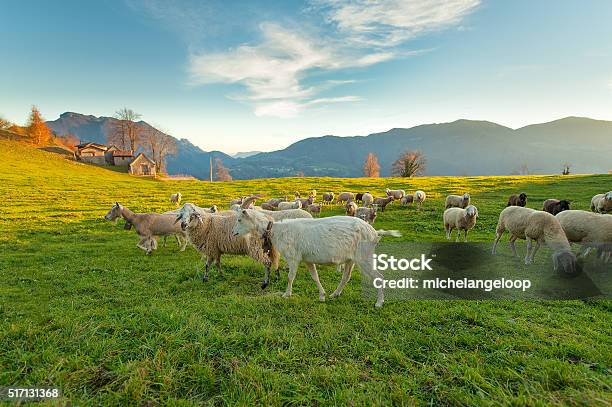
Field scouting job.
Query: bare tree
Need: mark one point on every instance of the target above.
(371, 168)
(159, 146)
(524, 169)
(221, 173)
(126, 133)
(409, 164)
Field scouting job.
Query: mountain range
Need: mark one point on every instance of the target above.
(462, 147)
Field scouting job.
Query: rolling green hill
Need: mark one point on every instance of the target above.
(85, 310)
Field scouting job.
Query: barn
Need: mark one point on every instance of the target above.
(93, 153)
(142, 166)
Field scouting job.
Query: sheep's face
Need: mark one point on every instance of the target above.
(565, 262)
(466, 197)
(114, 213)
(244, 224)
(191, 221)
(471, 211)
(564, 205)
(608, 196)
(523, 199)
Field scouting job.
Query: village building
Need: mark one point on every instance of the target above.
(92, 153)
(142, 166)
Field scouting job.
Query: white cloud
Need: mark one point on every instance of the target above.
(361, 33)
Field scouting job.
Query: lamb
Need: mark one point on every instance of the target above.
(517, 200)
(407, 199)
(149, 226)
(592, 230)
(276, 215)
(306, 201)
(351, 208)
(529, 224)
(211, 235)
(268, 206)
(602, 203)
(359, 196)
(289, 205)
(457, 201)
(328, 197)
(333, 240)
(555, 206)
(275, 201)
(176, 198)
(314, 209)
(345, 197)
(382, 202)
(460, 219)
(367, 214)
(367, 200)
(395, 193)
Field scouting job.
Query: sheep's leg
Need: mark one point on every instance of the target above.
(182, 242)
(465, 233)
(535, 250)
(219, 266)
(315, 277)
(346, 276)
(164, 242)
(513, 245)
(458, 235)
(207, 269)
(448, 232)
(290, 277)
(527, 255)
(266, 281)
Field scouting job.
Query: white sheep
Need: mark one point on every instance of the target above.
(333, 240)
(367, 199)
(351, 208)
(282, 206)
(591, 230)
(602, 203)
(313, 209)
(419, 197)
(395, 193)
(276, 215)
(149, 226)
(457, 201)
(529, 224)
(176, 198)
(345, 197)
(460, 219)
(211, 235)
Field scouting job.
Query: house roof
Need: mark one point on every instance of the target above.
(122, 153)
(92, 145)
(141, 157)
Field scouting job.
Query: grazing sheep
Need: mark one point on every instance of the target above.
(367, 214)
(457, 201)
(351, 208)
(328, 197)
(383, 202)
(591, 230)
(289, 205)
(367, 199)
(359, 196)
(333, 240)
(407, 199)
(267, 206)
(314, 209)
(211, 235)
(176, 198)
(517, 200)
(602, 203)
(345, 197)
(529, 224)
(237, 201)
(275, 214)
(460, 219)
(419, 197)
(395, 193)
(555, 206)
(275, 201)
(149, 226)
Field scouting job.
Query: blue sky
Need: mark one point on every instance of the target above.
(259, 75)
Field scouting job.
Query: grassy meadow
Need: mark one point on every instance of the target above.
(83, 309)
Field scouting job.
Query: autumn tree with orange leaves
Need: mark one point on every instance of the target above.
(371, 168)
(37, 129)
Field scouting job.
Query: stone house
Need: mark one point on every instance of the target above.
(142, 166)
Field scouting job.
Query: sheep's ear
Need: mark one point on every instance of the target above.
(179, 217)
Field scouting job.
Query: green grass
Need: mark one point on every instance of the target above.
(82, 308)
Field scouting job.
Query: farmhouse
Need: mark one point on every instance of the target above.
(143, 166)
(114, 156)
(93, 153)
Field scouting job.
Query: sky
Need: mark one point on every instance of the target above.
(260, 75)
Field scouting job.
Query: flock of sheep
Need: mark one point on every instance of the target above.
(285, 228)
